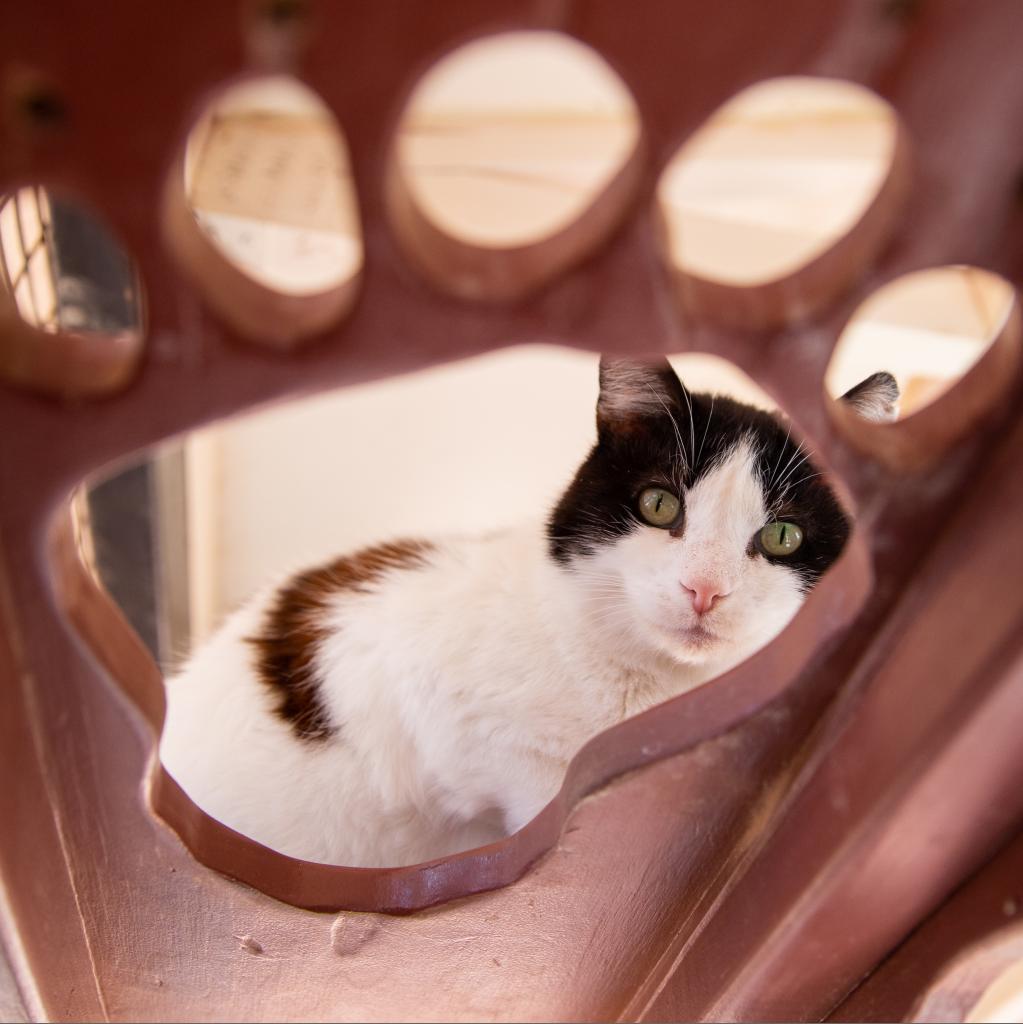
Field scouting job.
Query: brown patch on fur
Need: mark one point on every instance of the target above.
(294, 628)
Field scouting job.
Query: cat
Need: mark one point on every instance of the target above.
(424, 697)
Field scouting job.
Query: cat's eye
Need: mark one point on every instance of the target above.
(658, 506)
(780, 539)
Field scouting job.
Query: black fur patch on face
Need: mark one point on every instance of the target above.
(669, 437)
(795, 492)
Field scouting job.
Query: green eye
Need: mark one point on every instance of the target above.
(780, 539)
(658, 506)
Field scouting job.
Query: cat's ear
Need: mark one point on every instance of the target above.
(632, 391)
(876, 398)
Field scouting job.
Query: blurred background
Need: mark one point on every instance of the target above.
(504, 142)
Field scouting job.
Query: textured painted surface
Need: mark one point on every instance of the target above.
(942, 969)
(781, 832)
(12, 1008)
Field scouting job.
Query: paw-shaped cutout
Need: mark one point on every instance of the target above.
(780, 199)
(515, 156)
(261, 212)
(948, 341)
(70, 298)
(258, 478)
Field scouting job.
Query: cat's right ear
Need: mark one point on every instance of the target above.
(876, 398)
(632, 392)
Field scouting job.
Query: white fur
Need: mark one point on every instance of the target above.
(461, 690)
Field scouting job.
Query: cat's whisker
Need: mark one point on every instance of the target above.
(703, 440)
(606, 589)
(594, 519)
(800, 456)
(674, 423)
(692, 423)
(781, 452)
(609, 616)
(789, 467)
(630, 512)
(609, 581)
(802, 480)
(598, 600)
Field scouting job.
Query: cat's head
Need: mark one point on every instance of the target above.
(697, 524)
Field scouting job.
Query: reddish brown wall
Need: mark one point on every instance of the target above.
(791, 824)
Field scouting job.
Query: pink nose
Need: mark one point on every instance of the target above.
(703, 595)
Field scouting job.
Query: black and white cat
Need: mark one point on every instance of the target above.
(425, 697)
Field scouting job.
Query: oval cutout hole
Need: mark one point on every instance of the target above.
(515, 156)
(70, 298)
(225, 529)
(931, 331)
(775, 204)
(262, 211)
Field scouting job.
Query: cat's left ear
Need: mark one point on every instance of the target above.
(876, 398)
(631, 392)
